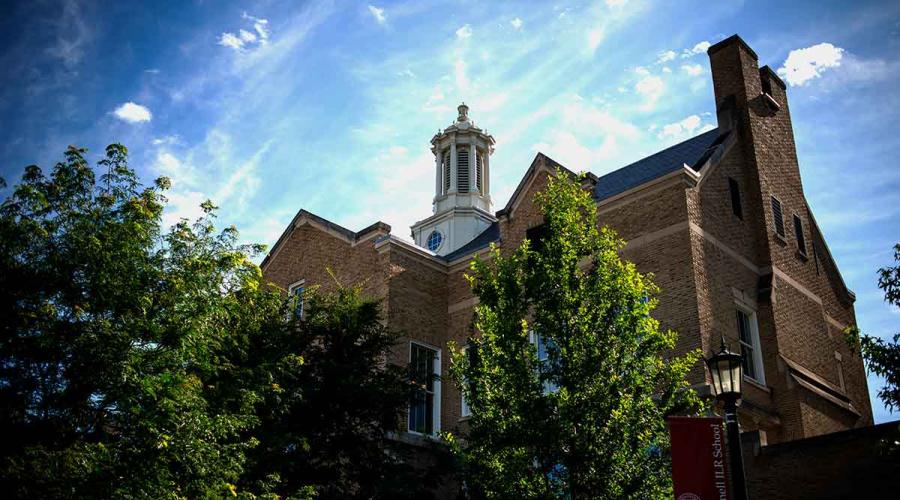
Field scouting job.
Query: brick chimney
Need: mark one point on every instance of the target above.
(736, 79)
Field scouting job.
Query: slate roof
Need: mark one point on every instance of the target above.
(692, 152)
(488, 236)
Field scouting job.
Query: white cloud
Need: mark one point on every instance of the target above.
(651, 87)
(666, 56)
(244, 38)
(464, 32)
(261, 26)
(666, 69)
(133, 113)
(803, 65)
(699, 48)
(247, 37)
(692, 69)
(378, 14)
(231, 40)
(692, 125)
(166, 140)
(516, 23)
(616, 3)
(642, 71)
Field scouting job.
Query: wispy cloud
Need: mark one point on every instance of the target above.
(71, 36)
(692, 69)
(666, 56)
(133, 113)
(516, 23)
(378, 14)
(464, 32)
(651, 88)
(682, 129)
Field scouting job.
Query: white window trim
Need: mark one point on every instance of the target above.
(436, 410)
(756, 348)
(533, 338)
(293, 286)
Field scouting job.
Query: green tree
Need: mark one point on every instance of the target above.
(568, 377)
(138, 362)
(117, 339)
(883, 357)
(334, 401)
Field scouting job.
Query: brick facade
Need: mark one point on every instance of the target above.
(681, 227)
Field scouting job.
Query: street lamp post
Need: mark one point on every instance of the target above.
(727, 374)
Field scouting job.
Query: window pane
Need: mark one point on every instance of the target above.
(298, 294)
(744, 328)
(747, 361)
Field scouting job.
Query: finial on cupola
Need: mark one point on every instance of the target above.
(463, 113)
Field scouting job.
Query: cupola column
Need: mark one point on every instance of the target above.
(437, 174)
(487, 173)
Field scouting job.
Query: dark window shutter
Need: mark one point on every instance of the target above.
(778, 217)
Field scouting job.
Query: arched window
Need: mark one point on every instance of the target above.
(462, 166)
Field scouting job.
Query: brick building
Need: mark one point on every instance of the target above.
(721, 220)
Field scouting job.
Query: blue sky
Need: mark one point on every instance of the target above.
(267, 107)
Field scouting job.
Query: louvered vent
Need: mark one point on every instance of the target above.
(446, 171)
(778, 216)
(462, 166)
(479, 173)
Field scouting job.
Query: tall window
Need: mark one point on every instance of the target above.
(544, 347)
(735, 191)
(424, 409)
(296, 291)
(750, 348)
(446, 170)
(778, 217)
(798, 231)
(462, 174)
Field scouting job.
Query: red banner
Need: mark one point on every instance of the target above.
(698, 458)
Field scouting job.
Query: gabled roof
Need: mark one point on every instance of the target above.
(488, 236)
(337, 229)
(540, 162)
(692, 152)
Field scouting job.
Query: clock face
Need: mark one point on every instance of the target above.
(434, 241)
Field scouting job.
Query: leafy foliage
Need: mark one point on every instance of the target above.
(583, 416)
(333, 401)
(883, 357)
(142, 363)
